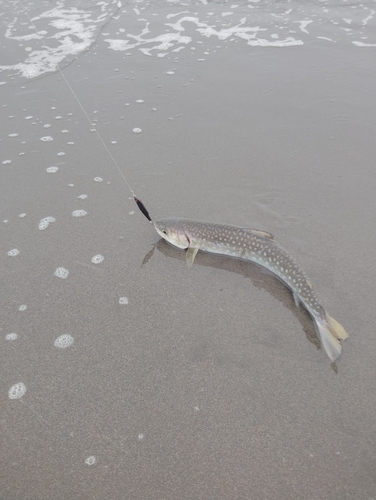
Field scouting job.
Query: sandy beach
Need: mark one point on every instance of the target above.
(124, 373)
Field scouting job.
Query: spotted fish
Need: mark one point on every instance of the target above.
(260, 247)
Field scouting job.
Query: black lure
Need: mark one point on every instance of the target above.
(141, 206)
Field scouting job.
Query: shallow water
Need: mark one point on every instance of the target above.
(124, 373)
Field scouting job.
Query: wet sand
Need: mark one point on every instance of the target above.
(209, 383)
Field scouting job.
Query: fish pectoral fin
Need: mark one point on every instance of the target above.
(258, 232)
(190, 255)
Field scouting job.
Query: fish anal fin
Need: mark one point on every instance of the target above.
(190, 255)
(338, 331)
(258, 232)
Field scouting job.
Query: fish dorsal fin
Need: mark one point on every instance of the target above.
(258, 232)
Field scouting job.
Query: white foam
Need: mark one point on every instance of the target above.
(98, 179)
(90, 460)
(13, 253)
(62, 273)
(137, 130)
(52, 170)
(47, 125)
(17, 391)
(64, 341)
(82, 196)
(12, 135)
(79, 213)
(22, 216)
(123, 300)
(288, 42)
(360, 44)
(46, 138)
(22, 307)
(6, 162)
(304, 24)
(97, 259)
(71, 31)
(11, 336)
(44, 223)
(61, 153)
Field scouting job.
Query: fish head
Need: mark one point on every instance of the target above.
(171, 230)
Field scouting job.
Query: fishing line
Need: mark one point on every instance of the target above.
(139, 203)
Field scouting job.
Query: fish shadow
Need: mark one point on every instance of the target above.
(260, 277)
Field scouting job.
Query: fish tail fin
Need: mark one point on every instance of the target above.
(331, 332)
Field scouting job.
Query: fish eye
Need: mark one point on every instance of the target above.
(164, 231)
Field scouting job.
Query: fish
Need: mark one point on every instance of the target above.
(259, 247)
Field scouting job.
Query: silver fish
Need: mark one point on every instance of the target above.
(260, 247)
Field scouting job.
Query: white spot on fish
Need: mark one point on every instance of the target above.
(17, 391)
(64, 341)
(62, 273)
